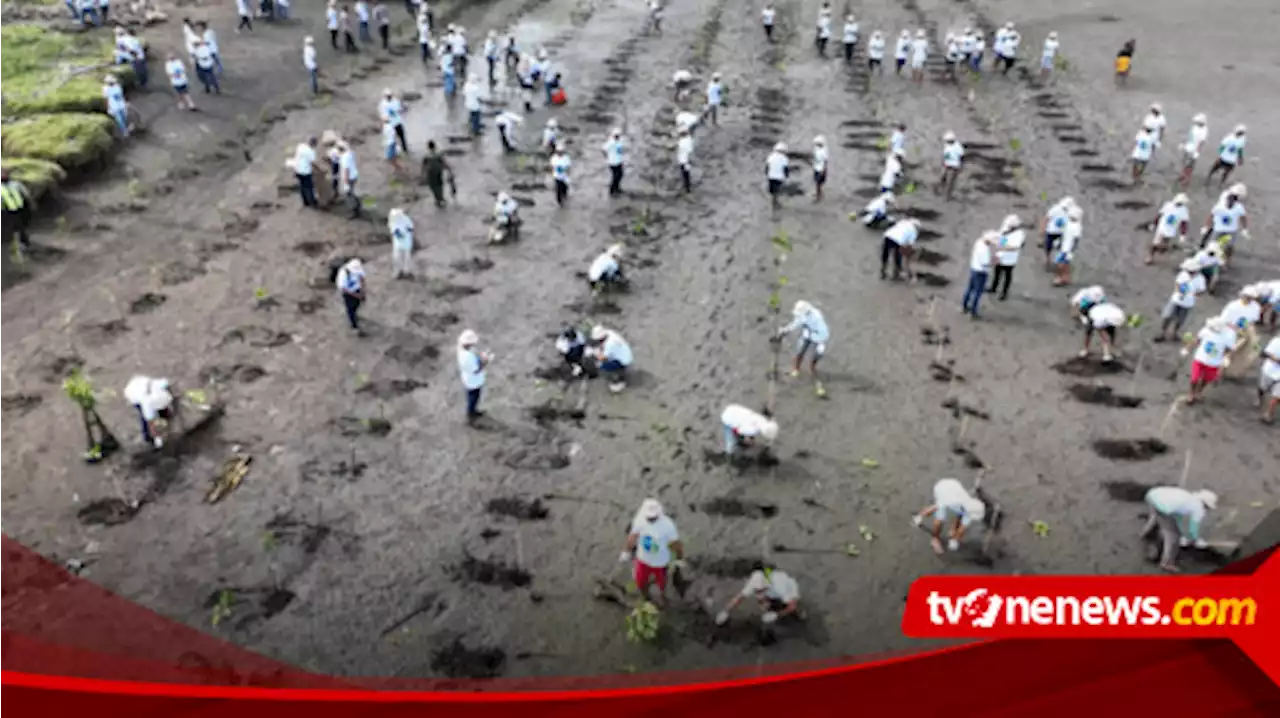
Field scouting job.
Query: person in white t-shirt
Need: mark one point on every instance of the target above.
(814, 336)
(1155, 121)
(1052, 227)
(1230, 155)
(1048, 54)
(979, 271)
(303, 165)
(767, 18)
(506, 219)
(560, 164)
(821, 156)
(400, 225)
(898, 243)
(919, 53)
(1242, 315)
(898, 139)
(743, 428)
(1196, 136)
(850, 37)
(652, 541)
(606, 270)
(681, 80)
(1066, 253)
(471, 366)
(1104, 319)
(901, 51)
(1085, 299)
(473, 93)
(1008, 250)
(952, 161)
(348, 174)
(153, 402)
(613, 356)
(1144, 143)
(310, 64)
(777, 593)
(1212, 347)
(951, 499)
(177, 73)
(823, 35)
(391, 110)
(892, 170)
(614, 150)
(684, 158)
(506, 122)
(876, 213)
(777, 168)
(1210, 261)
(875, 52)
(1187, 285)
(715, 97)
(1171, 222)
(1227, 219)
(1269, 380)
(1178, 513)
(655, 16)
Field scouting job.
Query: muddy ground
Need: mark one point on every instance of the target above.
(411, 546)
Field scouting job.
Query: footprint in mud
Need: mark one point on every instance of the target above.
(1088, 367)
(594, 306)
(518, 508)
(1129, 449)
(247, 605)
(1132, 204)
(1127, 490)
(352, 426)
(536, 458)
(454, 291)
(529, 187)
(390, 388)
(1097, 167)
(309, 537)
(103, 332)
(107, 512)
(930, 257)
(435, 322)
(474, 264)
(1112, 185)
(176, 273)
(489, 573)
(225, 374)
(256, 336)
(943, 372)
(958, 409)
(1084, 153)
(309, 306)
(146, 303)
(725, 567)
(313, 248)
(550, 412)
(239, 227)
(933, 338)
(1072, 139)
(458, 661)
(58, 368)
(929, 279)
(736, 508)
(412, 354)
(20, 404)
(999, 188)
(1103, 396)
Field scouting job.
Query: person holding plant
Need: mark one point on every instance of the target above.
(153, 402)
(651, 543)
(950, 499)
(777, 593)
(17, 209)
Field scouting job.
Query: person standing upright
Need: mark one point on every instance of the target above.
(979, 271)
(382, 19)
(614, 150)
(471, 365)
(350, 281)
(245, 10)
(304, 159)
(309, 62)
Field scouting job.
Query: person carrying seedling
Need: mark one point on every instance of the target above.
(1103, 319)
(814, 335)
(154, 404)
(1227, 219)
(1187, 285)
(950, 499)
(744, 428)
(952, 161)
(777, 593)
(651, 543)
(1178, 513)
(605, 271)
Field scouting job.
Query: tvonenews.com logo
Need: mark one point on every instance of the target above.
(983, 609)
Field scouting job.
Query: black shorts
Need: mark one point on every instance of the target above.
(775, 186)
(820, 178)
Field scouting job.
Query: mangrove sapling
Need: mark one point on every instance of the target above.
(101, 442)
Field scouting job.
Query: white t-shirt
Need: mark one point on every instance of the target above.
(604, 264)
(1172, 217)
(491, 48)
(903, 234)
(388, 134)
(902, 48)
(1214, 346)
(362, 11)
(1009, 248)
(177, 72)
(875, 48)
(850, 33)
(560, 167)
(146, 394)
(777, 586)
(1226, 220)
(613, 150)
(615, 348)
(776, 166)
(767, 15)
(470, 368)
(1239, 315)
(1271, 369)
(919, 51)
(303, 158)
(114, 95)
(331, 18)
(824, 27)
(1155, 123)
(742, 420)
(309, 57)
(878, 206)
(1143, 144)
(471, 96)
(391, 110)
(654, 539)
(820, 155)
(347, 166)
(1102, 316)
(897, 142)
(1195, 138)
(1056, 220)
(1176, 501)
(686, 120)
(549, 135)
(684, 150)
(953, 155)
(1229, 151)
(715, 94)
(211, 40)
(1070, 237)
(1050, 49)
(980, 257)
(1186, 286)
(950, 496)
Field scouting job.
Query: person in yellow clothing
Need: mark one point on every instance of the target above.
(17, 210)
(1124, 61)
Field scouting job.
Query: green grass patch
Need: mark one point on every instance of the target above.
(48, 71)
(38, 175)
(71, 139)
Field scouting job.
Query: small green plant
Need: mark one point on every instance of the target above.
(910, 188)
(1135, 321)
(1061, 63)
(197, 397)
(643, 623)
(269, 541)
(136, 189)
(782, 242)
(80, 390)
(1040, 528)
(1044, 196)
(775, 301)
(261, 294)
(882, 143)
(221, 609)
(361, 379)
(1015, 144)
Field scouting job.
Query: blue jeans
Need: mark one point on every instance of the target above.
(315, 81)
(548, 88)
(217, 63)
(75, 11)
(473, 402)
(122, 120)
(84, 16)
(364, 32)
(307, 188)
(475, 122)
(146, 427)
(450, 85)
(973, 294)
(282, 11)
(140, 72)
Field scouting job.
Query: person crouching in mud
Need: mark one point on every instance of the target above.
(777, 593)
(613, 356)
(744, 428)
(950, 498)
(605, 270)
(434, 167)
(876, 213)
(572, 346)
(506, 219)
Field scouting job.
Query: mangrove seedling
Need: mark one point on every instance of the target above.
(643, 623)
(221, 609)
(101, 442)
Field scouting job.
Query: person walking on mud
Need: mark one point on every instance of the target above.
(303, 163)
(1066, 251)
(560, 164)
(897, 243)
(950, 499)
(901, 51)
(177, 73)
(652, 541)
(814, 335)
(1196, 136)
(1143, 145)
(349, 174)
(362, 16)
(245, 10)
(309, 62)
(952, 161)
(979, 271)
(655, 16)
(824, 29)
(391, 110)
(875, 53)
(350, 282)
(17, 210)
(777, 168)
(382, 19)
(472, 96)
(400, 225)
(491, 56)
(715, 97)
(850, 37)
(684, 158)
(614, 151)
(1048, 55)
(205, 69)
(767, 18)
(919, 53)
(821, 156)
(424, 37)
(471, 366)
(1008, 249)
(348, 31)
(1230, 155)
(434, 168)
(1052, 227)
(332, 22)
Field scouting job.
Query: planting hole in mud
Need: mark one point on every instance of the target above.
(930, 257)
(458, 661)
(225, 374)
(1097, 167)
(736, 508)
(550, 412)
(474, 264)
(313, 249)
(146, 303)
(929, 279)
(942, 372)
(593, 306)
(454, 291)
(518, 508)
(999, 188)
(390, 388)
(107, 512)
(1127, 490)
(958, 409)
(351, 426)
(1111, 184)
(1088, 367)
(257, 336)
(435, 322)
(1072, 139)
(1132, 204)
(412, 355)
(1103, 396)
(1129, 449)
(1084, 153)
(489, 573)
(920, 213)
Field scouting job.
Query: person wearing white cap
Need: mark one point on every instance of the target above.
(1210, 261)
(1269, 380)
(424, 36)
(1053, 225)
(506, 122)
(951, 499)
(1085, 299)
(560, 164)
(1066, 251)
(952, 161)
(473, 94)
(898, 242)
(968, 43)
(952, 54)
(613, 355)
(821, 155)
(153, 402)
(449, 70)
(744, 427)
(1227, 219)
(655, 16)
(850, 37)
(684, 158)
(919, 53)
(651, 542)
(1008, 249)
(715, 97)
(681, 80)
(1178, 513)
(767, 17)
(1186, 286)
(1196, 136)
(1048, 54)
(460, 49)
(117, 108)
(1155, 121)
(551, 135)
(506, 219)
(401, 228)
(1230, 155)
(606, 270)
(382, 19)
(1144, 144)
(1171, 221)
(823, 35)
(814, 335)
(177, 73)
(875, 52)
(1007, 47)
(491, 55)
(350, 282)
(876, 213)
(1212, 346)
(362, 15)
(1103, 319)
(349, 174)
(309, 62)
(979, 271)
(777, 593)
(471, 366)
(892, 169)
(777, 168)
(686, 120)
(614, 150)
(979, 49)
(901, 51)
(1241, 316)
(391, 110)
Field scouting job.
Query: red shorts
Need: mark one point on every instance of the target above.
(645, 573)
(1203, 373)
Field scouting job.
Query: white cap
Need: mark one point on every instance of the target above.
(949, 136)
(1053, 36)
(1074, 212)
(802, 307)
(1214, 249)
(503, 196)
(906, 33)
(1190, 265)
(1250, 292)
(1010, 223)
(848, 18)
(308, 40)
(1216, 323)
(616, 132)
(468, 338)
(780, 147)
(920, 33)
(493, 33)
(1180, 198)
(110, 79)
(1207, 497)
(715, 76)
(598, 332)
(1155, 107)
(616, 250)
(552, 122)
(386, 92)
(1067, 201)
(1008, 25)
(769, 430)
(397, 212)
(819, 140)
(651, 509)
(1200, 118)
(1239, 190)
(1240, 129)
(968, 30)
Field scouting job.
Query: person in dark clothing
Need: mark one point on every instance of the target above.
(434, 167)
(572, 346)
(382, 18)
